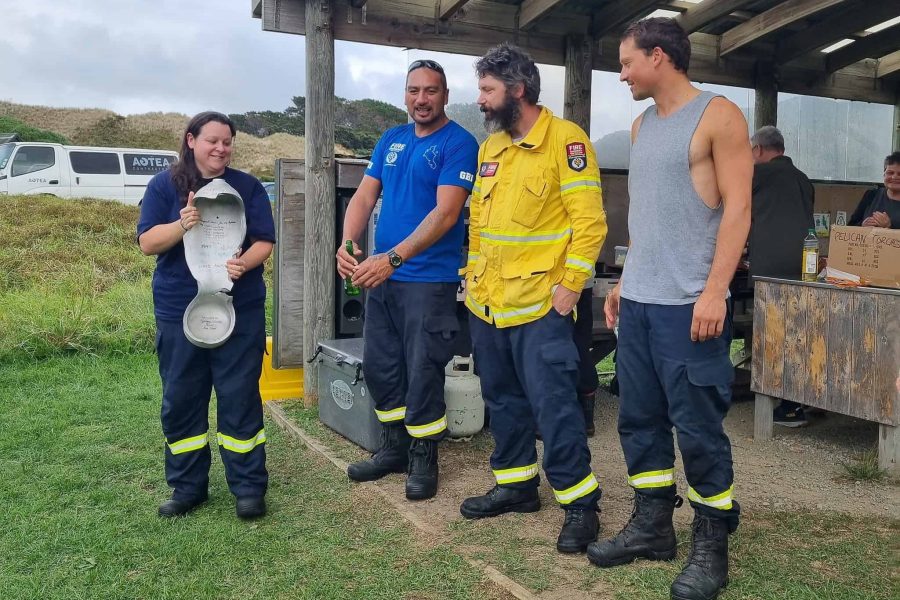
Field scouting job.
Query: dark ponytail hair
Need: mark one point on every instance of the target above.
(185, 173)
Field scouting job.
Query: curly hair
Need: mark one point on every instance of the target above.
(511, 65)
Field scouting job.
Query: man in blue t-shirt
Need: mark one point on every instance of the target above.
(425, 170)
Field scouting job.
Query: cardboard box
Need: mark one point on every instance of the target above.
(869, 252)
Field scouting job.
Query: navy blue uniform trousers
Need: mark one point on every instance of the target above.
(588, 381)
(666, 381)
(528, 378)
(189, 374)
(409, 336)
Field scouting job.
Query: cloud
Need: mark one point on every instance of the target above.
(179, 56)
(135, 56)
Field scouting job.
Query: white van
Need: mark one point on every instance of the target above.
(118, 174)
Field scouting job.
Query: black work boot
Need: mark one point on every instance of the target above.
(706, 571)
(579, 529)
(250, 507)
(422, 478)
(648, 534)
(501, 500)
(178, 507)
(391, 457)
(587, 402)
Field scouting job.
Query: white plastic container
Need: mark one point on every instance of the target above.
(462, 393)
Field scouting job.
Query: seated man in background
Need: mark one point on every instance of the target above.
(880, 207)
(781, 214)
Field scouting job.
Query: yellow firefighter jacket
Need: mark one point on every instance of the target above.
(536, 221)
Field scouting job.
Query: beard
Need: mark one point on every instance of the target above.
(502, 118)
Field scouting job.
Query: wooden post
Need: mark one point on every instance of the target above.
(766, 112)
(579, 69)
(889, 448)
(319, 211)
(896, 145)
(763, 419)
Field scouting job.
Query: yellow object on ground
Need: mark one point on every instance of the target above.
(278, 384)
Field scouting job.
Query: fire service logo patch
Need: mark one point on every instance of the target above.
(488, 169)
(576, 155)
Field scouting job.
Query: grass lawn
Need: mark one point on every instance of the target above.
(81, 471)
(81, 457)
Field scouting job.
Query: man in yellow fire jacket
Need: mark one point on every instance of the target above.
(537, 224)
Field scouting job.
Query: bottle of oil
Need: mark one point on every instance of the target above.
(810, 256)
(349, 288)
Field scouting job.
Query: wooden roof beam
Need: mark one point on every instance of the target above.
(256, 8)
(889, 65)
(874, 45)
(532, 10)
(448, 8)
(620, 13)
(705, 13)
(772, 20)
(850, 19)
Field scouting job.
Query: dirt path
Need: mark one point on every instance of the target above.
(800, 469)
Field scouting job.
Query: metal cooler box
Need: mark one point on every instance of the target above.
(345, 404)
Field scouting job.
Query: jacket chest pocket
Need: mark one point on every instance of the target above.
(480, 204)
(535, 190)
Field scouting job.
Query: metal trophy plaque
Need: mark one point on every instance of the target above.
(209, 318)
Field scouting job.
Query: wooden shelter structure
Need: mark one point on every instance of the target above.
(766, 45)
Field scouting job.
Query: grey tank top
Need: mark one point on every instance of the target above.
(673, 233)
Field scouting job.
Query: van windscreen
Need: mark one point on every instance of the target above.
(6, 151)
(147, 164)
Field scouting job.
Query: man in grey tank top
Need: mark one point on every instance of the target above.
(689, 189)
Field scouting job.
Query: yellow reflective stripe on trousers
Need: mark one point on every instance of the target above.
(188, 444)
(516, 474)
(388, 416)
(652, 479)
(518, 238)
(579, 490)
(722, 501)
(579, 263)
(242, 446)
(420, 431)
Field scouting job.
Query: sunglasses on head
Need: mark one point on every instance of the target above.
(428, 64)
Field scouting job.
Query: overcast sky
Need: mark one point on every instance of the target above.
(135, 56)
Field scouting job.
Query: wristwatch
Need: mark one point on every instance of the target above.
(395, 259)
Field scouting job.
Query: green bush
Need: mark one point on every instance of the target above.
(115, 132)
(72, 279)
(29, 133)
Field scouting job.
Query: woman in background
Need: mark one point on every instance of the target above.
(880, 207)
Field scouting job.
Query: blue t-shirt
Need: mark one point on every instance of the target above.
(410, 170)
(173, 285)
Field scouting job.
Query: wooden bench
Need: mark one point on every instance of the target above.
(831, 348)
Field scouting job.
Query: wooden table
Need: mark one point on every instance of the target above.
(832, 348)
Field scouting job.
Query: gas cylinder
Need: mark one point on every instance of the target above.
(462, 393)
